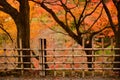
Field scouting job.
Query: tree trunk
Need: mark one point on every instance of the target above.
(117, 52)
(23, 41)
(117, 38)
(89, 60)
(89, 57)
(23, 32)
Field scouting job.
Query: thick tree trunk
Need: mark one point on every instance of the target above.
(117, 38)
(23, 32)
(23, 41)
(117, 52)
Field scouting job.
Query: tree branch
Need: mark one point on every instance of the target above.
(80, 18)
(109, 16)
(69, 11)
(89, 13)
(58, 31)
(1, 27)
(94, 22)
(7, 8)
(61, 23)
(94, 33)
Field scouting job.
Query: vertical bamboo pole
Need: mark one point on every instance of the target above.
(83, 70)
(93, 58)
(54, 56)
(21, 58)
(40, 57)
(31, 66)
(103, 53)
(112, 52)
(43, 54)
(73, 65)
(5, 55)
(41, 51)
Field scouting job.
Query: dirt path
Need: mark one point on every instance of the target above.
(58, 78)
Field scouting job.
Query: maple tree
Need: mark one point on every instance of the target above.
(20, 13)
(17, 18)
(115, 29)
(76, 19)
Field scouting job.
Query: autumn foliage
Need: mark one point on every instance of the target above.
(40, 19)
